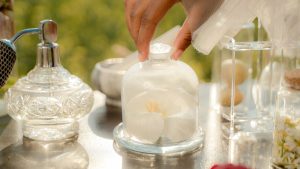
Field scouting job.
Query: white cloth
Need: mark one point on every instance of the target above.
(281, 19)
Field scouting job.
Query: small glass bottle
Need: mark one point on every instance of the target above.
(286, 146)
(49, 100)
(160, 105)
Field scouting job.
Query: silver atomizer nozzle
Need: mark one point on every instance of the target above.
(48, 50)
(48, 34)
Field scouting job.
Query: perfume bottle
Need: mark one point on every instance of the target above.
(159, 105)
(49, 100)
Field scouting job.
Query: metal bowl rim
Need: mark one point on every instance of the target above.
(100, 66)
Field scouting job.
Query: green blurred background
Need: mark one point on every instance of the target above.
(89, 32)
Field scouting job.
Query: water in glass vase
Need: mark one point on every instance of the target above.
(246, 73)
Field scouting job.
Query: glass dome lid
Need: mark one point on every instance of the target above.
(159, 105)
(160, 71)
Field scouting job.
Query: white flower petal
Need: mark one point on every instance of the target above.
(179, 129)
(147, 127)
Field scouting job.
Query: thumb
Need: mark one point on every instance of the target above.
(182, 41)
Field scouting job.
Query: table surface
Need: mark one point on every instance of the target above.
(94, 147)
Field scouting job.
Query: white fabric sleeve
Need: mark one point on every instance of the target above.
(230, 16)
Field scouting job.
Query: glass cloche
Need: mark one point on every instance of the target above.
(49, 100)
(159, 106)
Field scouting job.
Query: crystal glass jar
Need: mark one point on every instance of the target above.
(159, 105)
(286, 146)
(49, 100)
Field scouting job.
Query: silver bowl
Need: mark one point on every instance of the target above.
(107, 77)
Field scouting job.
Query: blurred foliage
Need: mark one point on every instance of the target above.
(9, 83)
(87, 32)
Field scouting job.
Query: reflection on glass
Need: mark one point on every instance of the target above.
(251, 149)
(135, 160)
(32, 154)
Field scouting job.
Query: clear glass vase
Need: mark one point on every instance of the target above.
(160, 106)
(247, 86)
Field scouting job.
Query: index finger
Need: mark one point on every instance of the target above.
(150, 19)
(129, 4)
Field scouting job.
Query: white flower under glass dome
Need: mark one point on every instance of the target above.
(160, 105)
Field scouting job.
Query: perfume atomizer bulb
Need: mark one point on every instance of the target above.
(48, 34)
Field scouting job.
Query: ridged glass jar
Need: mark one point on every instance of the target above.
(49, 100)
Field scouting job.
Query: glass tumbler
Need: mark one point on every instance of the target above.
(245, 67)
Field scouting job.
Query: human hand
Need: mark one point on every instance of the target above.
(142, 17)
(198, 11)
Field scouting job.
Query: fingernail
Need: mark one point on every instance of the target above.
(177, 54)
(141, 57)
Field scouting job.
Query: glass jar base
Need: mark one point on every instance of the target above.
(251, 126)
(50, 132)
(123, 142)
(246, 115)
(113, 102)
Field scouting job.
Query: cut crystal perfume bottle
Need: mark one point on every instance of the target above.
(49, 100)
(159, 106)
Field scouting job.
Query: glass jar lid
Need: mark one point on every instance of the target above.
(160, 51)
(292, 78)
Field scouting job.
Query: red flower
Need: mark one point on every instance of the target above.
(228, 166)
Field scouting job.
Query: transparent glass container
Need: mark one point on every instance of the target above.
(246, 34)
(286, 144)
(252, 150)
(160, 106)
(49, 100)
(240, 70)
(247, 86)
